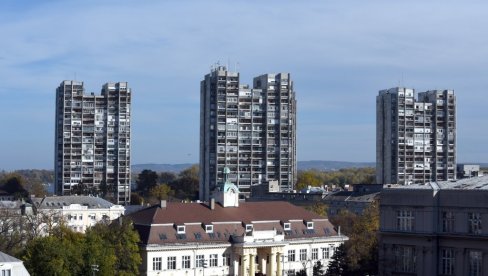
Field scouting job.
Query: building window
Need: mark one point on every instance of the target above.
(6, 272)
(310, 225)
(185, 262)
(303, 254)
(180, 229)
(474, 223)
(315, 253)
(286, 226)
(291, 255)
(325, 253)
(405, 220)
(172, 262)
(405, 259)
(475, 261)
(208, 228)
(447, 222)
(248, 227)
(199, 259)
(226, 259)
(157, 263)
(447, 261)
(213, 260)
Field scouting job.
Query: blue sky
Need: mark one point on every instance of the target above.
(340, 53)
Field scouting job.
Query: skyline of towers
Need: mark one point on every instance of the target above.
(92, 141)
(252, 131)
(415, 138)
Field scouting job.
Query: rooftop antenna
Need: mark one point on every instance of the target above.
(75, 76)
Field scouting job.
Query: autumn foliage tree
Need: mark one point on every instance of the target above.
(341, 177)
(361, 250)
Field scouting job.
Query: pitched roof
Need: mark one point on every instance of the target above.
(180, 213)
(5, 258)
(156, 225)
(57, 202)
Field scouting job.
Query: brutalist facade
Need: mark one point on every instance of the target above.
(252, 131)
(92, 141)
(415, 139)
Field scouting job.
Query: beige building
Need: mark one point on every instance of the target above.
(228, 237)
(435, 229)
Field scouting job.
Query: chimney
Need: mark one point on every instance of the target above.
(212, 203)
(162, 204)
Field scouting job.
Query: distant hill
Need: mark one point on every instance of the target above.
(302, 165)
(176, 168)
(332, 165)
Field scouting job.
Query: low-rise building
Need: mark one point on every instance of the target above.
(440, 228)
(10, 266)
(467, 171)
(79, 212)
(356, 201)
(228, 237)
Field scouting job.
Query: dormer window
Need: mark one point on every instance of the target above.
(309, 224)
(180, 229)
(249, 227)
(287, 226)
(209, 228)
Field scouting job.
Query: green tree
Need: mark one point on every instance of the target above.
(14, 184)
(309, 178)
(146, 180)
(167, 177)
(161, 192)
(338, 264)
(187, 184)
(362, 246)
(136, 199)
(319, 208)
(318, 269)
(58, 254)
(122, 237)
(98, 251)
(191, 172)
(112, 247)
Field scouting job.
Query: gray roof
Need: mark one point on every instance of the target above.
(5, 258)
(10, 204)
(57, 202)
(474, 183)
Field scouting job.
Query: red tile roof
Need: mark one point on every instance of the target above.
(156, 225)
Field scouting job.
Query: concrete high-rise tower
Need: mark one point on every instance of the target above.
(252, 131)
(415, 139)
(92, 141)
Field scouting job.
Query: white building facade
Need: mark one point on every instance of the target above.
(78, 212)
(243, 238)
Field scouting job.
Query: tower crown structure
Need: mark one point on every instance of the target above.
(227, 193)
